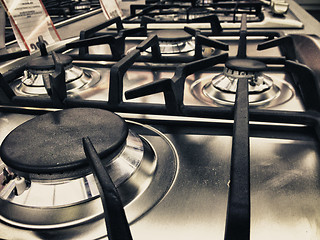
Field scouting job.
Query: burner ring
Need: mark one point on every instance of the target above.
(279, 93)
(77, 80)
(172, 35)
(228, 80)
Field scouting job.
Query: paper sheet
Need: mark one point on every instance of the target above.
(2, 27)
(111, 8)
(29, 19)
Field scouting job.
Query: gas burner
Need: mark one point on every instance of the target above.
(57, 135)
(195, 13)
(32, 83)
(174, 41)
(168, 17)
(49, 174)
(239, 69)
(263, 90)
(180, 14)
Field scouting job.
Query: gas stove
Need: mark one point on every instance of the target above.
(147, 133)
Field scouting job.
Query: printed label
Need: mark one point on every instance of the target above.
(111, 8)
(29, 19)
(2, 27)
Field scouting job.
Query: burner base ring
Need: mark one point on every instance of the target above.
(142, 198)
(88, 78)
(280, 93)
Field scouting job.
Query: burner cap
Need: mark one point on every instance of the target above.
(47, 63)
(172, 35)
(174, 42)
(52, 143)
(246, 65)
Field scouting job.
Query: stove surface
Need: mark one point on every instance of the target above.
(194, 145)
(195, 205)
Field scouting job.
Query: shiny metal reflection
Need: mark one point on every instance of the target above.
(146, 174)
(170, 48)
(77, 80)
(285, 188)
(272, 95)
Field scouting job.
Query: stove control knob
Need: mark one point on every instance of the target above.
(207, 51)
(21, 185)
(279, 6)
(16, 185)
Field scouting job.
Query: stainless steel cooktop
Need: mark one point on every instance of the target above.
(180, 162)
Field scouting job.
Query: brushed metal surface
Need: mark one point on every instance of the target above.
(284, 177)
(284, 188)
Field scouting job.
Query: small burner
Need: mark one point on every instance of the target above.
(246, 69)
(222, 88)
(174, 41)
(227, 81)
(172, 35)
(32, 83)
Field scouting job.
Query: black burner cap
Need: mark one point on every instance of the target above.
(246, 65)
(52, 143)
(172, 35)
(47, 63)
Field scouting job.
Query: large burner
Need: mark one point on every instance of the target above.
(50, 143)
(32, 83)
(47, 173)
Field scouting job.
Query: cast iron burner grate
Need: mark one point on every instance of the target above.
(238, 214)
(192, 11)
(174, 100)
(262, 89)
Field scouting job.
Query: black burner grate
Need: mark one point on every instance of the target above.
(191, 11)
(238, 216)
